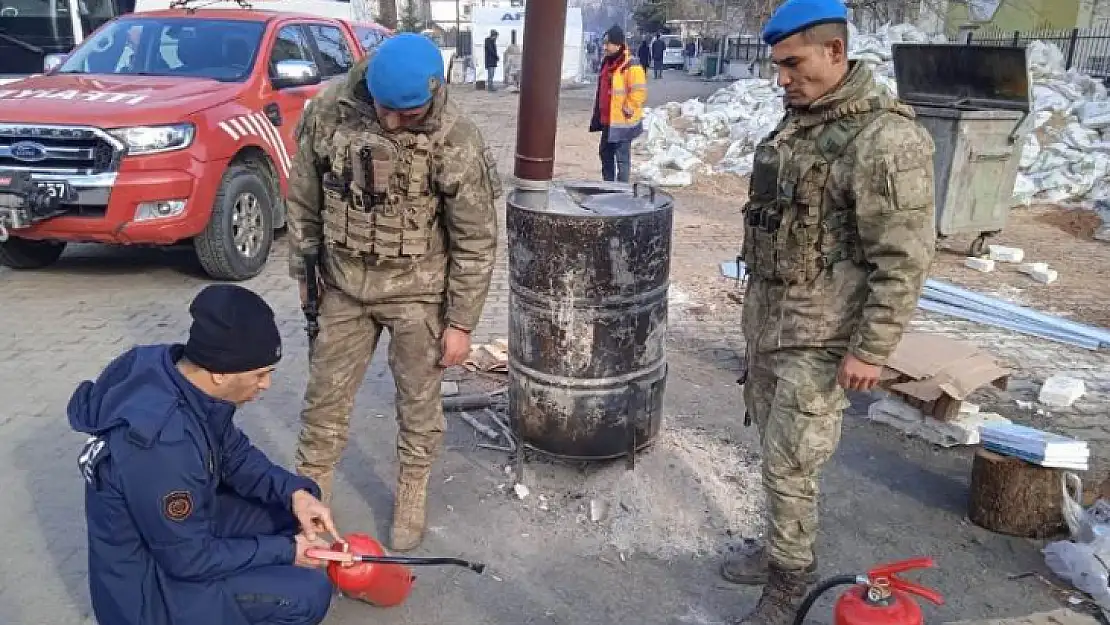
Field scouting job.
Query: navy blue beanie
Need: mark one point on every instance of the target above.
(233, 331)
(405, 71)
(795, 16)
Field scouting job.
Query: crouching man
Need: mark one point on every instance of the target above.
(188, 522)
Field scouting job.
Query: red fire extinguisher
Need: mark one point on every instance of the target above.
(361, 569)
(878, 598)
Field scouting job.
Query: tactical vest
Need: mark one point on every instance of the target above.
(792, 232)
(380, 200)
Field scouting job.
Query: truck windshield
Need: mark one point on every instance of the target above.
(31, 29)
(188, 47)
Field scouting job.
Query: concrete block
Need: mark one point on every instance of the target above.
(1060, 391)
(1039, 272)
(963, 430)
(984, 265)
(1005, 254)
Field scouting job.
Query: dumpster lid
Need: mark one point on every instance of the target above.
(967, 77)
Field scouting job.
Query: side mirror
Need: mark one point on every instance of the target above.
(295, 73)
(52, 62)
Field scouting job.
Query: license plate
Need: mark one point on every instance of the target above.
(54, 189)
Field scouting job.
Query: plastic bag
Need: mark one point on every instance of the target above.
(1084, 563)
(1091, 526)
(1079, 565)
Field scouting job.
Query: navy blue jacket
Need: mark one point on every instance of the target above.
(159, 449)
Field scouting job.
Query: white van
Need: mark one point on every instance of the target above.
(672, 54)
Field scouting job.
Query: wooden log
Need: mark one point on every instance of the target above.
(474, 401)
(1016, 498)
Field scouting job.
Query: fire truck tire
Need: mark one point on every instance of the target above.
(27, 254)
(242, 217)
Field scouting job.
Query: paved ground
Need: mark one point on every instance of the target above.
(886, 497)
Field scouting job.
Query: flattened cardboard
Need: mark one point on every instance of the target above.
(936, 373)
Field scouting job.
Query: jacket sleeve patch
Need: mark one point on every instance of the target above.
(177, 505)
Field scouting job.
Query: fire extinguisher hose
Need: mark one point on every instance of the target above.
(820, 589)
(477, 567)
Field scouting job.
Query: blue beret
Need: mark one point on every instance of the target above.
(401, 72)
(794, 16)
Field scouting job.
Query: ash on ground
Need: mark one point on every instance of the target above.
(688, 495)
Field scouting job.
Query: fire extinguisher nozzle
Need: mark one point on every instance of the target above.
(477, 567)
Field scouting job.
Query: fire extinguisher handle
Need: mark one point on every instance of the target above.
(890, 571)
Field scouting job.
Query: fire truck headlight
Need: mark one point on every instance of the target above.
(155, 139)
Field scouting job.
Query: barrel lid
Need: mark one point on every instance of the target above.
(605, 199)
(962, 76)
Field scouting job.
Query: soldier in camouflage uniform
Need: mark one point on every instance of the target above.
(395, 188)
(838, 240)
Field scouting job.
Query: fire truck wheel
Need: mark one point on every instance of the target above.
(240, 233)
(26, 254)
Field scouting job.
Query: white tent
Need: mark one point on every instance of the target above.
(506, 20)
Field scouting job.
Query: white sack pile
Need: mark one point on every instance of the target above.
(1066, 156)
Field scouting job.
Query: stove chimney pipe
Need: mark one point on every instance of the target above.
(541, 78)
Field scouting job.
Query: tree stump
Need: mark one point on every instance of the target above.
(1016, 498)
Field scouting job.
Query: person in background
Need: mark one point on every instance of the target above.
(188, 522)
(619, 107)
(657, 48)
(838, 240)
(691, 54)
(512, 62)
(644, 52)
(491, 59)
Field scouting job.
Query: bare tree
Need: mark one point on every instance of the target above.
(366, 10)
(387, 13)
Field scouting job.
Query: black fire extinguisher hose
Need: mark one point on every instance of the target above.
(820, 589)
(477, 567)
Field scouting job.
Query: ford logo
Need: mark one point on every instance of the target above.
(28, 151)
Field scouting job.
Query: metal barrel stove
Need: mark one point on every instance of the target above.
(589, 270)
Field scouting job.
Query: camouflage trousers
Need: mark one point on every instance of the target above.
(349, 333)
(793, 397)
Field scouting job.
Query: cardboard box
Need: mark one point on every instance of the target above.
(936, 374)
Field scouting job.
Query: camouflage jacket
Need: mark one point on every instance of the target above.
(463, 183)
(839, 227)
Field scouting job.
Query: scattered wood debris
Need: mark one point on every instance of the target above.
(483, 429)
(501, 433)
(470, 401)
(491, 357)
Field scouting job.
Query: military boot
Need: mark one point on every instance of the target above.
(782, 596)
(409, 508)
(748, 566)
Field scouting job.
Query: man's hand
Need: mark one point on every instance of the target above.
(304, 544)
(627, 110)
(456, 347)
(856, 375)
(313, 516)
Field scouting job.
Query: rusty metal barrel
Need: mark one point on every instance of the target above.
(589, 271)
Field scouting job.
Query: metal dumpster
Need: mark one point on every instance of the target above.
(712, 65)
(975, 102)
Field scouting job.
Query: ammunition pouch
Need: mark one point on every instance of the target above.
(386, 208)
(793, 227)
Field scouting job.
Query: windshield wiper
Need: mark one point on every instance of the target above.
(30, 47)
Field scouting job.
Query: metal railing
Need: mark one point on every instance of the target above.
(1085, 49)
(746, 50)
